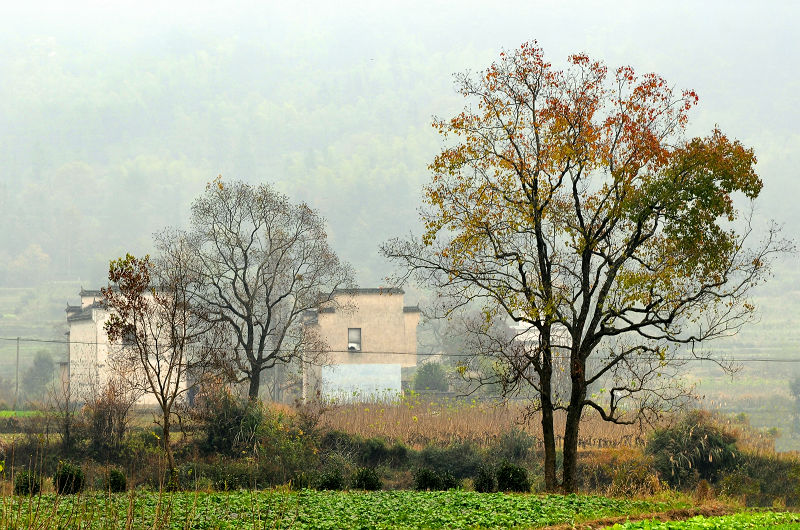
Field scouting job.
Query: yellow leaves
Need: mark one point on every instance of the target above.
(216, 183)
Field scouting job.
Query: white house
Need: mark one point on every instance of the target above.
(370, 336)
(87, 368)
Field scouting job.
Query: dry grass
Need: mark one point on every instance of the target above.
(417, 421)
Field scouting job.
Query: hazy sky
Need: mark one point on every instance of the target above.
(740, 57)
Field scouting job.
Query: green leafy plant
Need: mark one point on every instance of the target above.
(366, 478)
(460, 459)
(69, 478)
(115, 481)
(485, 481)
(431, 376)
(430, 479)
(511, 477)
(27, 482)
(332, 479)
(692, 450)
(281, 508)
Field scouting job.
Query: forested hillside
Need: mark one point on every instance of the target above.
(112, 121)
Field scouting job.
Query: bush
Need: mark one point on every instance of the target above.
(27, 482)
(695, 449)
(68, 479)
(428, 479)
(339, 441)
(373, 451)
(511, 477)
(431, 376)
(485, 481)
(618, 473)
(106, 416)
(172, 480)
(763, 479)
(229, 424)
(398, 455)
(366, 478)
(460, 459)
(301, 480)
(233, 476)
(513, 446)
(115, 481)
(330, 480)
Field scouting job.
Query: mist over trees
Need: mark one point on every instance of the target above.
(113, 119)
(111, 123)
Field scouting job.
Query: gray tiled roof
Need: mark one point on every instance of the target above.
(371, 290)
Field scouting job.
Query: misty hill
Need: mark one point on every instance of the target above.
(113, 119)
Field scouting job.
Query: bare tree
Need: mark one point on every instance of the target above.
(261, 262)
(107, 411)
(65, 407)
(160, 338)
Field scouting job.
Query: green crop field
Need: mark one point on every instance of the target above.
(19, 413)
(315, 509)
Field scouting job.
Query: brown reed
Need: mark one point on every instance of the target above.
(418, 421)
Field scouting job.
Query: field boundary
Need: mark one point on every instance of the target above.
(677, 514)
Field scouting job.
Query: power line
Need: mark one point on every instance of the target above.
(456, 355)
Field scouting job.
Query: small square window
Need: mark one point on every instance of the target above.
(354, 339)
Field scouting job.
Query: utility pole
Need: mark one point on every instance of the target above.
(16, 390)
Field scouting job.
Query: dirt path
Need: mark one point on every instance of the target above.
(711, 510)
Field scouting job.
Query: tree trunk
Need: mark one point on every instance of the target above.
(167, 447)
(255, 384)
(67, 439)
(548, 431)
(574, 411)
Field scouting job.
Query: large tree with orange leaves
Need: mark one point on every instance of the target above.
(570, 202)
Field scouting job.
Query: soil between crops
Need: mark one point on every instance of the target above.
(681, 514)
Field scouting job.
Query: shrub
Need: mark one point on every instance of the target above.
(106, 416)
(618, 472)
(398, 455)
(283, 449)
(339, 441)
(330, 480)
(68, 479)
(511, 477)
(694, 449)
(431, 376)
(229, 423)
(301, 480)
(115, 481)
(426, 479)
(172, 481)
(761, 479)
(370, 452)
(231, 476)
(27, 482)
(460, 459)
(485, 481)
(514, 445)
(429, 479)
(448, 481)
(373, 451)
(366, 478)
